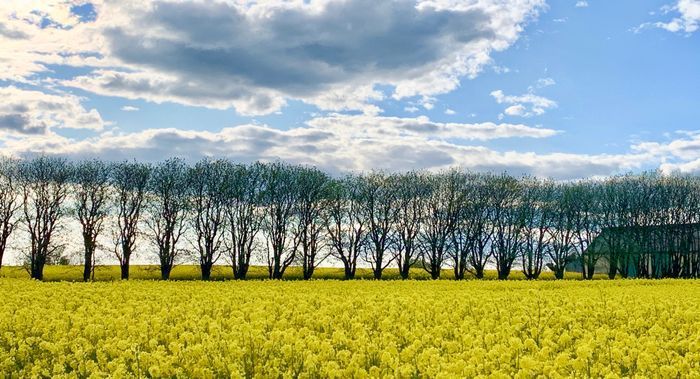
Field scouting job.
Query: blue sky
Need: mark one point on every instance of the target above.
(561, 89)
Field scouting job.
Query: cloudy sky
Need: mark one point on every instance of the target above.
(562, 88)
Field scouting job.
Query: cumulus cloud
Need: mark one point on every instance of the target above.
(581, 4)
(679, 155)
(338, 143)
(129, 108)
(687, 20)
(255, 56)
(527, 105)
(367, 127)
(34, 112)
(37, 34)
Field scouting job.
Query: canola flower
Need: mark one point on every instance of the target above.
(350, 329)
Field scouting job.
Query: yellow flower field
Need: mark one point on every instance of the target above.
(350, 329)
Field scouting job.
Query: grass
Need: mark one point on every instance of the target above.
(191, 272)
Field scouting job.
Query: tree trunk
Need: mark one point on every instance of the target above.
(206, 271)
(308, 273)
(349, 273)
(377, 271)
(479, 272)
(125, 270)
(559, 273)
(87, 268)
(612, 269)
(404, 270)
(503, 273)
(165, 270)
(37, 271)
(241, 272)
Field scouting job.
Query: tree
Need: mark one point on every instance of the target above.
(412, 190)
(346, 228)
(92, 185)
(442, 214)
(613, 214)
(563, 233)
(166, 206)
(280, 198)
(681, 201)
(379, 210)
(244, 213)
(207, 196)
(130, 182)
(508, 223)
(537, 209)
(312, 188)
(471, 236)
(45, 183)
(586, 224)
(9, 202)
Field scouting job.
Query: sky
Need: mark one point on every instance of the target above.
(562, 89)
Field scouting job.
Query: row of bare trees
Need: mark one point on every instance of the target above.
(283, 215)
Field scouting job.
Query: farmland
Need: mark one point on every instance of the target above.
(73, 273)
(359, 328)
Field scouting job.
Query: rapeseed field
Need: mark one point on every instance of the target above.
(405, 329)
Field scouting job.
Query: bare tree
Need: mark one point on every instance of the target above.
(280, 198)
(585, 220)
(537, 207)
(312, 188)
(682, 197)
(45, 183)
(379, 210)
(344, 223)
(563, 233)
(471, 236)
(442, 214)
(9, 202)
(92, 186)
(166, 207)
(412, 192)
(130, 181)
(208, 196)
(244, 213)
(508, 223)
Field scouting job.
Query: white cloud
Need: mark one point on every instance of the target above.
(340, 143)
(688, 20)
(363, 127)
(450, 112)
(582, 4)
(256, 56)
(527, 105)
(36, 34)
(33, 112)
(678, 155)
(130, 108)
(545, 82)
(517, 110)
(411, 109)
